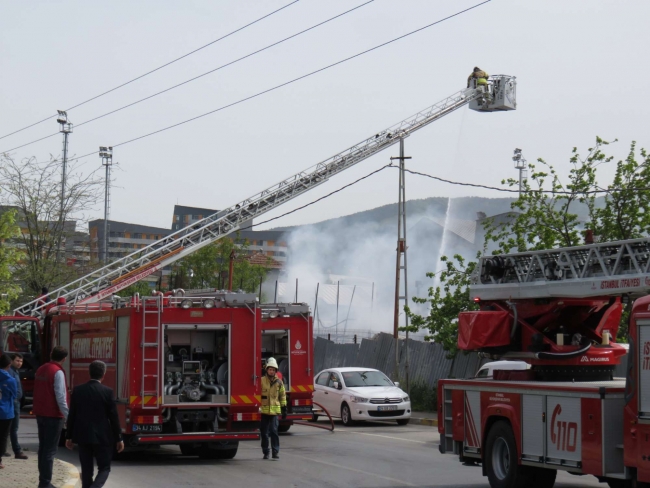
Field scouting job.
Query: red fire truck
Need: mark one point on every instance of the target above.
(560, 311)
(184, 367)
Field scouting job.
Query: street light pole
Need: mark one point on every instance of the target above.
(66, 129)
(106, 154)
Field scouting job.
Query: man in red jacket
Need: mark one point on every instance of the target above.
(51, 410)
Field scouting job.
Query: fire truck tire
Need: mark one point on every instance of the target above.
(501, 458)
(616, 483)
(346, 415)
(314, 417)
(284, 428)
(188, 450)
(541, 477)
(206, 451)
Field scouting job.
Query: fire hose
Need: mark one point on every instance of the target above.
(313, 424)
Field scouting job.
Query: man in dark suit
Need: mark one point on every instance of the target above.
(94, 426)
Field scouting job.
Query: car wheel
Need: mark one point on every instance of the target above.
(501, 465)
(346, 415)
(403, 421)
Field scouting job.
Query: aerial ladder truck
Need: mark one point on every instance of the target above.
(186, 366)
(558, 310)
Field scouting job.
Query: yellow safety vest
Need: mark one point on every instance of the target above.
(274, 396)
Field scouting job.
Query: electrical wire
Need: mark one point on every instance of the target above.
(276, 87)
(318, 199)
(154, 70)
(512, 190)
(199, 76)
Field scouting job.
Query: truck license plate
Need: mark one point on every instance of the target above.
(390, 407)
(147, 428)
(303, 409)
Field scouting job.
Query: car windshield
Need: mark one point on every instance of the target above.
(354, 379)
(17, 335)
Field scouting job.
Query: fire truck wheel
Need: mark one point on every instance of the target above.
(224, 451)
(188, 450)
(501, 458)
(346, 415)
(314, 417)
(283, 428)
(616, 483)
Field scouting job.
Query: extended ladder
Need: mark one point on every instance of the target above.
(121, 273)
(609, 268)
(150, 397)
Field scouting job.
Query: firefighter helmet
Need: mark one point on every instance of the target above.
(271, 363)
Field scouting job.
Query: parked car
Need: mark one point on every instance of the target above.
(487, 370)
(355, 394)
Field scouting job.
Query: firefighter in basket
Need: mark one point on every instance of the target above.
(274, 405)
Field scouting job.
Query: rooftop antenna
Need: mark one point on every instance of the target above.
(106, 155)
(522, 165)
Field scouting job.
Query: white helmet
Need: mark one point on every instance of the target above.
(271, 363)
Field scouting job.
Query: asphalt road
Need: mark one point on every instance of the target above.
(367, 455)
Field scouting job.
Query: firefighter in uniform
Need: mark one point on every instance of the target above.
(274, 405)
(481, 78)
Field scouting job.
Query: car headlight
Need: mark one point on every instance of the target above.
(405, 399)
(357, 399)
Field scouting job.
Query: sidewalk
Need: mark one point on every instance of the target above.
(23, 473)
(425, 418)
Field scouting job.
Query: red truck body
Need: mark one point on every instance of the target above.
(185, 369)
(601, 428)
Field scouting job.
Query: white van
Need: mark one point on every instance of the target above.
(487, 370)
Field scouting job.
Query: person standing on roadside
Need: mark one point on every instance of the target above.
(7, 396)
(14, 371)
(93, 424)
(51, 410)
(274, 404)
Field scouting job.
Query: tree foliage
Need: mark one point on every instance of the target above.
(209, 267)
(9, 258)
(545, 217)
(446, 303)
(33, 189)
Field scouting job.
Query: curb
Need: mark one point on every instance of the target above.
(429, 422)
(74, 476)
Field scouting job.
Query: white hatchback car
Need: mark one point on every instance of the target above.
(360, 394)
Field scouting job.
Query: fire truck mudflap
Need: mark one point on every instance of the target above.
(520, 430)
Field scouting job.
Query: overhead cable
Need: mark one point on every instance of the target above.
(199, 76)
(276, 87)
(152, 71)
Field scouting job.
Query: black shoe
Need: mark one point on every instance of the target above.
(266, 456)
(276, 455)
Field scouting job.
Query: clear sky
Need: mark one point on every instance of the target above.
(579, 64)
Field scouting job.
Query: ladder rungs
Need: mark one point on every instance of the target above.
(151, 376)
(150, 393)
(150, 344)
(149, 360)
(151, 328)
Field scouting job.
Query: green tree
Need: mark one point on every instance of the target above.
(9, 258)
(446, 302)
(544, 217)
(209, 267)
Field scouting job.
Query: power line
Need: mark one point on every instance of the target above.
(511, 190)
(154, 70)
(199, 76)
(276, 87)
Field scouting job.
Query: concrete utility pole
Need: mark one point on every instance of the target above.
(106, 154)
(522, 165)
(401, 264)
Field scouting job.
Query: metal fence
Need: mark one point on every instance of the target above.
(427, 361)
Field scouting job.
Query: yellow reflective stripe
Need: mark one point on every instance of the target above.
(232, 400)
(302, 388)
(245, 399)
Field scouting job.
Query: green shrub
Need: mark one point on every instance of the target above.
(423, 397)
